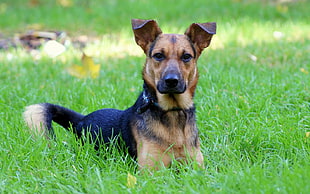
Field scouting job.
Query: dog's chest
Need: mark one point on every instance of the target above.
(174, 128)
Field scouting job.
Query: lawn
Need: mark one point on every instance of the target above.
(252, 101)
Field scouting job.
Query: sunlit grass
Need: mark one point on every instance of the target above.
(252, 99)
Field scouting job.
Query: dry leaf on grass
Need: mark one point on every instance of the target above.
(53, 48)
(131, 181)
(87, 69)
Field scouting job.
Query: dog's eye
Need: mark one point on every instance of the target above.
(186, 58)
(158, 56)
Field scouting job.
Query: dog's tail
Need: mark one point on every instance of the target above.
(39, 118)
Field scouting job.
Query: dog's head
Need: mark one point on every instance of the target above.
(170, 67)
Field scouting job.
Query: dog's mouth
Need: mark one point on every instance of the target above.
(171, 84)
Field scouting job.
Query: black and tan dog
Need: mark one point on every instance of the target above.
(161, 125)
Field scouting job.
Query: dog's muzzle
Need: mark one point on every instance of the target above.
(171, 83)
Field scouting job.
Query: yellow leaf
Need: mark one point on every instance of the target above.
(131, 181)
(3, 8)
(65, 3)
(282, 8)
(303, 70)
(307, 134)
(35, 26)
(87, 69)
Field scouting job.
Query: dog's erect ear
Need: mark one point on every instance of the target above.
(200, 34)
(145, 32)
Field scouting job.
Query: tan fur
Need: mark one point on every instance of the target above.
(152, 155)
(34, 118)
(162, 121)
(153, 71)
(180, 100)
(176, 144)
(178, 139)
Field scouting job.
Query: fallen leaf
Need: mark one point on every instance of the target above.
(131, 180)
(34, 39)
(303, 70)
(307, 134)
(282, 8)
(34, 3)
(53, 48)
(253, 57)
(87, 69)
(35, 26)
(65, 3)
(3, 8)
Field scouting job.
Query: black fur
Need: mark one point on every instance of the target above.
(106, 124)
(102, 125)
(146, 122)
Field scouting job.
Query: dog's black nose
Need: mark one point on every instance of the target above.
(171, 80)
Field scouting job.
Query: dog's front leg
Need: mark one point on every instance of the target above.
(198, 157)
(151, 156)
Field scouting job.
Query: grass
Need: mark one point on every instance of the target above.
(253, 97)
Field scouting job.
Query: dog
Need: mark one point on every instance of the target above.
(161, 125)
